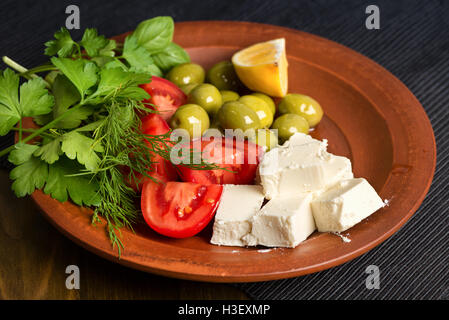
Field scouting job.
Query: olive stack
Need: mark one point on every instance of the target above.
(215, 102)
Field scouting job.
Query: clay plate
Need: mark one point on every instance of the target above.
(371, 117)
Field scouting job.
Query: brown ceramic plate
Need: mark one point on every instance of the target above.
(371, 117)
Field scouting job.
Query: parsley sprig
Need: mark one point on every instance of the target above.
(86, 101)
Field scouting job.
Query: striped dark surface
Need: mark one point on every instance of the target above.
(413, 44)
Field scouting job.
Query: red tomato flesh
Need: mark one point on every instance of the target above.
(179, 209)
(162, 169)
(154, 124)
(241, 158)
(165, 96)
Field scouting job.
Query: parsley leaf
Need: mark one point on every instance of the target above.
(34, 100)
(82, 73)
(60, 178)
(30, 172)
(9, 115)
(115, 64)
(63, 44)
(151, 70)
(90, 119)
(92, 42)
(50, 150)
(117, 81)
(21, 153)
(106, 55)
(62, 181)
(102, 61)
(108, 50)
(139, 58)
(155, 34)
(92, 126)
(78, 146)
(171, 56)
(66, 95)
(42, 120)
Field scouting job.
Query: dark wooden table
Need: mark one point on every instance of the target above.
(34, 257)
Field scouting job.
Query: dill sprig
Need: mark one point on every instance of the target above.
(88, 105)
(127, 147)
(120, 128)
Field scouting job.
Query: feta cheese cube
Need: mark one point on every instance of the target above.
(303, 165)
(284, 222)
(233, 224)
(345, 204)
(299, 139)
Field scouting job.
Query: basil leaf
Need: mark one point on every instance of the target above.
(171, 57)
(150, 70)
(155, 34)
(137, 56)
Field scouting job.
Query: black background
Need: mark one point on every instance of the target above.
(412, 43)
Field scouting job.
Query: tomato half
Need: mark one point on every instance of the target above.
(179, 209)
(165, 96)
(154, 124)
(162, 169)
(240, 158)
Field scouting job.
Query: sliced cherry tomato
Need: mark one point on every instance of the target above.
(179, 209)
(165, 95)
(240, 158)
(162, 169)
(154, 124)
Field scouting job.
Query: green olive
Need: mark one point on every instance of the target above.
(186, 73)
(267, 99)
(236, 115)
(302, 105)
(214, 123)
(288, 124)
(192, 118)
(260, 107)
(188, 88)
(228, 95)
(223, 76)
(266, 138)
(207, 96)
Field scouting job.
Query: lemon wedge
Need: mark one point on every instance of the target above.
(263, 66)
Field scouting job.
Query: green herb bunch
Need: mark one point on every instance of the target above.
(87, 105)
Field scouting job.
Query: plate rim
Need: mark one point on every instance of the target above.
(107, 252)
